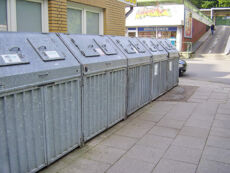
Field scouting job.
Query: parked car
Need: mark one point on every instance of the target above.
(182, 67)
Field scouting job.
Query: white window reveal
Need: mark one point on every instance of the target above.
(27, 15)
(83, 19)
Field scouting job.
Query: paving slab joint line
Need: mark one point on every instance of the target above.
(207, 137)
(174, 140)
(135, 142)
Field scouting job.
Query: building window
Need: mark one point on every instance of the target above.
(74, 21)
(92, 23)
(27, 15)
(84, 19)
(3, 18)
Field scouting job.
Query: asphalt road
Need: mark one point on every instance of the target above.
(209, 62)
(215, 44)
(209, 67)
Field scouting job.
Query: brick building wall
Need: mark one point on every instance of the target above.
(198, 30)
(57, 10)
(114, 15)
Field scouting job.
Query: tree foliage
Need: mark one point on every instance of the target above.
(211, 3)
(224, 3)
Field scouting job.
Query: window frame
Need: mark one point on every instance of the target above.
(12, 15)
(85, 9)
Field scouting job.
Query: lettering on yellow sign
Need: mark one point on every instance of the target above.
(152, 12)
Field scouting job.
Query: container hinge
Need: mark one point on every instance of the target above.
(81, 83)
(82, 143)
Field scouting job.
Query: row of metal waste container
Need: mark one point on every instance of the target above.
(59, 90)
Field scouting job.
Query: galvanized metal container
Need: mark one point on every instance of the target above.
(159, 56)
(30, 65)
(173, 63)
(139, 71)
(104, 81)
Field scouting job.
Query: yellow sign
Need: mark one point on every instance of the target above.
(129, 2)
(152, 12)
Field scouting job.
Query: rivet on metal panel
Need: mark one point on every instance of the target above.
(43, 75)
(108, 63)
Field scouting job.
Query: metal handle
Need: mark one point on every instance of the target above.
(90, 46)
(15, 49)
(42, 48)
(43, 75)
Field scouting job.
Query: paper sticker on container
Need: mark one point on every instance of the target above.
(100, 51)
(155, 69)
(11, 58)
(52, 54)
(170, 66)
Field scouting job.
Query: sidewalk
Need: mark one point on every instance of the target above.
(188, 133)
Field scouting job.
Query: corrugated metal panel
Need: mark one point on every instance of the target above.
(63, 118)
(163, 74)
(133, 89)
(95, 102)
(176, 71)
(22, 132)
(170, 74)
(116, 96)
(145, 84)
(139, 87)
(156, 80)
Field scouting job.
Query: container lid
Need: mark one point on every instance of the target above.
(33, 59)
(133, 49)
(96, 53)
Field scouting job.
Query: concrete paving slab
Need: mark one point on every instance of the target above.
(222, 124)
(164, 131)
(222, 117)
(195, 100)
(216, 154)
(171, 123)
(194, 132)
(215, 131)
(183, 154)
(190, 142)
(192, 122)
(218, 95)
(207, 166)
(147, 154)
(56, 167)
(222, 110)
(129, 165)
(171, 166)
(120, 142)
(181, 111)
(220, 101)
(151, 116)
(132, 131)
(219, 142)
(142, 124)
(161, 108)
(85, 166)
(155, 141)
(203, 117)
(104, 154)
(206, 108)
